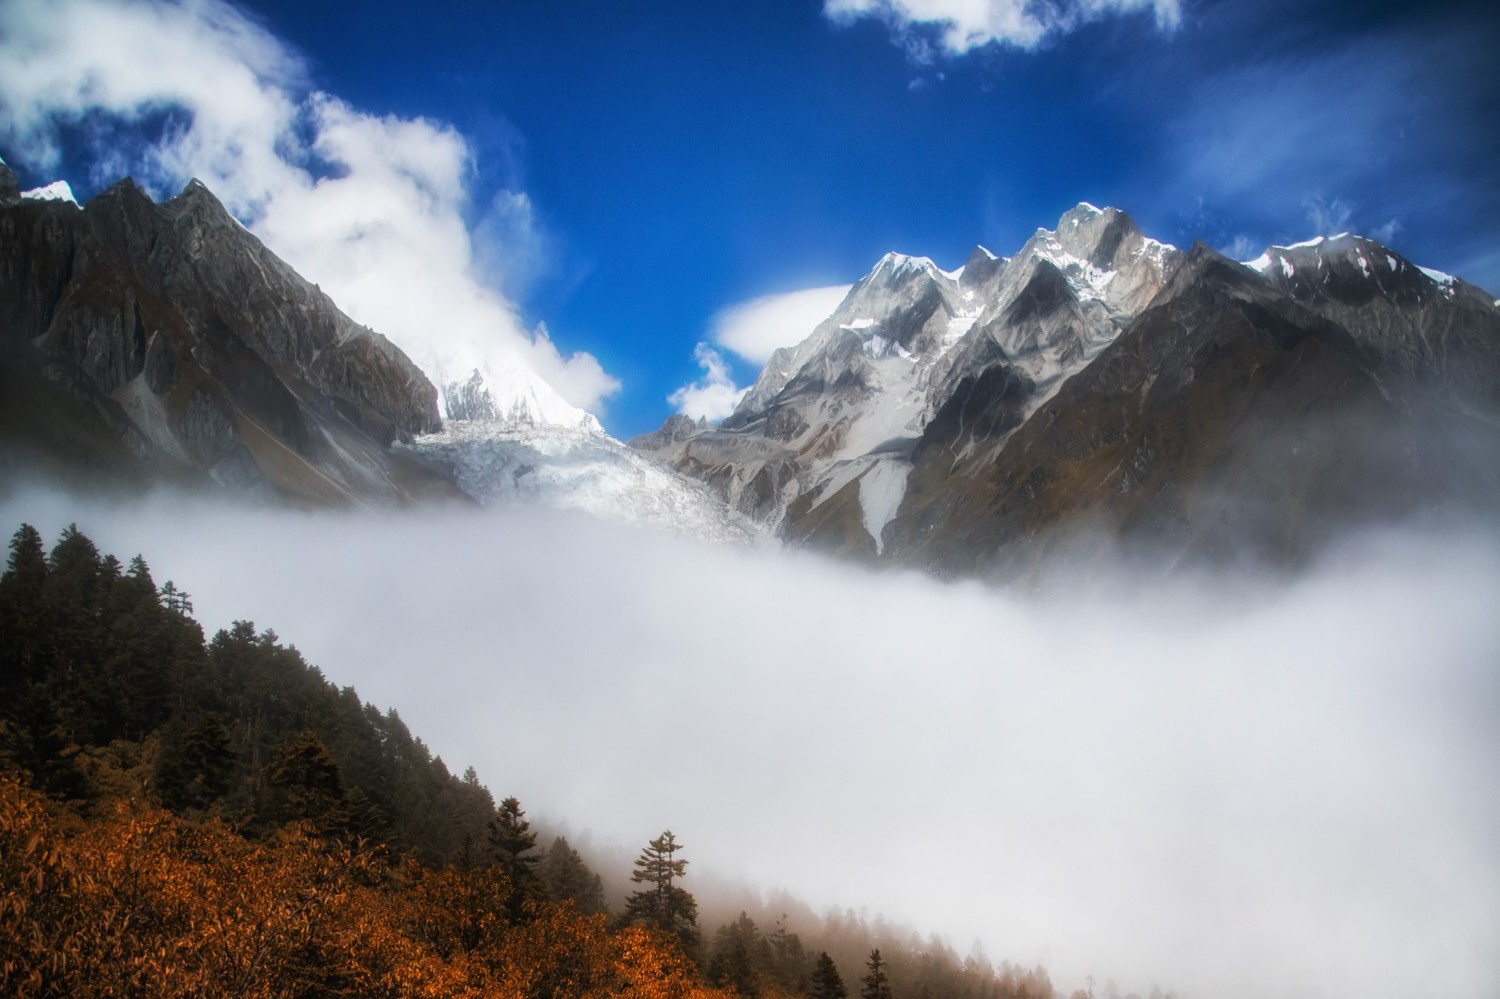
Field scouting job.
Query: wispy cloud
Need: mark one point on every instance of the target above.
(713, 396)
(957, 26)
(1328, 218)
(1356, 135)
(1241, 247)
(1233, 787)
(371, 207)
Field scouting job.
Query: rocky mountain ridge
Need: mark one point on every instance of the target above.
(148, 341)
(967, 421)
(171, 331)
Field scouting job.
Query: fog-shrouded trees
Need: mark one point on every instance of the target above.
(566, 878)
(876, 983)
(511, 842)
(106, 680)
(826, 983)
(661, 904)
(211, 817)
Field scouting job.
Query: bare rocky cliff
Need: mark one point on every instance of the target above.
(155, 340)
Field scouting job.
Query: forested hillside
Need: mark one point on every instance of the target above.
(187, 816)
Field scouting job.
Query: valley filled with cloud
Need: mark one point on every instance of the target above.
(1226, 785)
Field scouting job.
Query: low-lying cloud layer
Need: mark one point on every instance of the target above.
(371, 207)
(1231, 786)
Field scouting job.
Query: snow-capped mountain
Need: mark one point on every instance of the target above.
(480, 384)
(956, 419)
(583, 469)
(846, 408)
(167, 341)
(966, 421)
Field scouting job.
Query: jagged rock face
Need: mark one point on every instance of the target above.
(677, 427)
(1420, 322)
(1188, 405)
(822, 443)
(175, 330)
(1227, 421)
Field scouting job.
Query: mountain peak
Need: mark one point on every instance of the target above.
(197, 200)
(58, 190)
(899, 265)
(1083, 212)
(123, 190)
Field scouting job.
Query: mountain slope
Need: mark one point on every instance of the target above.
(975, 422)
(822, 444)
(173, 333)
(146, 342)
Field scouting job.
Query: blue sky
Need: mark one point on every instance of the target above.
(626, 172)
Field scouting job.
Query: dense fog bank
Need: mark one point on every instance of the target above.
(1230, 785)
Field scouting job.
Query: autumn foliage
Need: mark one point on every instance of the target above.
(138, 901)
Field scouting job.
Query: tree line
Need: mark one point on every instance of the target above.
(181, 815)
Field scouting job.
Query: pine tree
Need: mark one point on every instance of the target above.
(826, 983)
(511, 840)
(876, 984)
(306, 784)
(21, 588)
(566, 877)
(174, 599)
(787, 960)
(740, 956)
(195, 763)
(662, 905)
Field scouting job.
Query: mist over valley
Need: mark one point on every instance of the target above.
(964, 500)
(1219, 783)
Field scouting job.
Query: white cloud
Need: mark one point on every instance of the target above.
(713, 396)
(370, 207)
(1230, 787)
(1291, 137)
(1242, 247)
(1387, 231)
(1328, 218)
(502, 236)
(962, 25)
(755, 329)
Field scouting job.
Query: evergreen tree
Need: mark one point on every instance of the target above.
(21, 589)
(174, 599)
(740, 956)
(788, 961)
(195, 763)
(28, 560)
(661, 904)
(306, 784)
(511, 843)
(565, 877)
(826, 983)
(876, 984)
